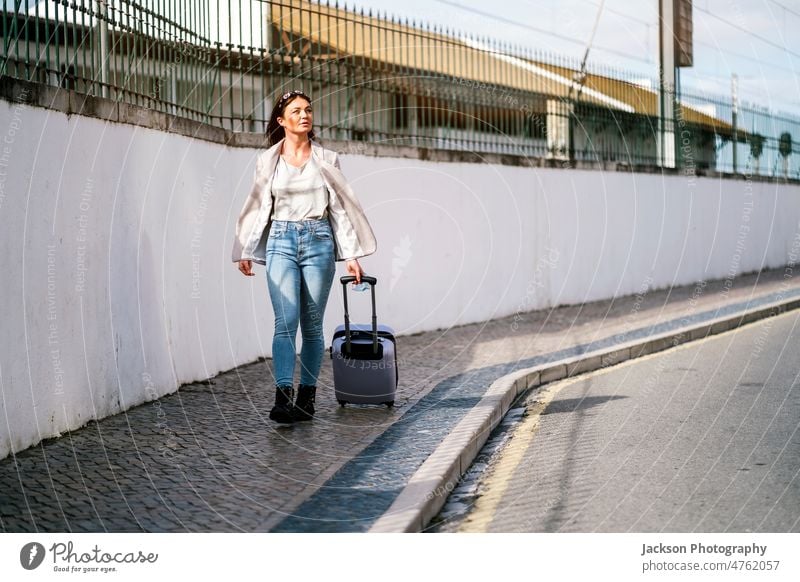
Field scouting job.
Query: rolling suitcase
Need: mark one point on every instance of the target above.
(364, 357)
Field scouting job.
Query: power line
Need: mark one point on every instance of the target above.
(618, 13)
(785, 8)
(588, 48)
(754, 35)
(755, 60)
(541, 30)
(627, 55)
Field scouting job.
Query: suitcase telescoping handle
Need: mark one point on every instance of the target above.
(372, 282)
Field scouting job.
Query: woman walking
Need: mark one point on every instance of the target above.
(300, 217)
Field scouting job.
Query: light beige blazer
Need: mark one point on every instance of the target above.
(252, 228)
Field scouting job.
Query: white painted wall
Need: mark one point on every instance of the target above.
(118, 286)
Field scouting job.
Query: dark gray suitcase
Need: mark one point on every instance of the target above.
(364, 357)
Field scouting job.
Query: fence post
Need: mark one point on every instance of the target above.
(559, 121)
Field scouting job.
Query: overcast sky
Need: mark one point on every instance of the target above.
(756, 39)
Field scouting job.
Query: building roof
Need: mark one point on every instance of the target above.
(402, 48)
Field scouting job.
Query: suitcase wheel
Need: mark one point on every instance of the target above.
(342, 402)
(389, 404)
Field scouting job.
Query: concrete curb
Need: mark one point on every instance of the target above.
(427, 490)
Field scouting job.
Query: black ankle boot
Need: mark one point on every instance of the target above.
(282, 411)
(304, 406)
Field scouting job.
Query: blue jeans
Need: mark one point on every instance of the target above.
(300, 269)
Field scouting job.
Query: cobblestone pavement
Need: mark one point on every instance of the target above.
(207, 458)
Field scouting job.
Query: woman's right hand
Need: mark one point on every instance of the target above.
(246, 267)
(354, 269)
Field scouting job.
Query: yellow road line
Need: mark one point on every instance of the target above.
(496, 483)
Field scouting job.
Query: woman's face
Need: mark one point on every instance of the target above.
(297, 116)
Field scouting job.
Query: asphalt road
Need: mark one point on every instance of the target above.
(701, 438)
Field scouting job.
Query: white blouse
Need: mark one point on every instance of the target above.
(301, 194)
(298, 193)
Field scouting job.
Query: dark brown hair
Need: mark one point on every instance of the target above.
(275, 131)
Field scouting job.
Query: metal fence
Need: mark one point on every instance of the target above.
(379, 79)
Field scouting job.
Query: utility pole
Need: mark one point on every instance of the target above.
(666, 89)
(735, 115)
(676, 50)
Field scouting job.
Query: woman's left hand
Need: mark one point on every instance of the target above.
(354, 269)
